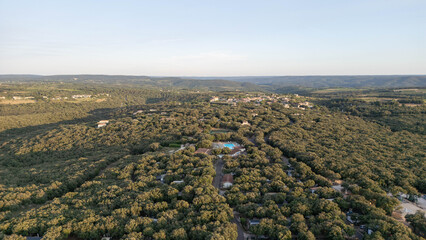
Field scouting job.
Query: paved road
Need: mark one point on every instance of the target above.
(218, 167)
(216, 183)
(239, 227)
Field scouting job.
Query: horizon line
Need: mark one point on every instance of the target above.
(205, 76)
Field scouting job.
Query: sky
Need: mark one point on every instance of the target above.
(213, 37)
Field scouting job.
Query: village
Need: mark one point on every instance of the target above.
(290, 101)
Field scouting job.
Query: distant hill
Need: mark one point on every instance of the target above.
(253, 83)
(379, 81)
(149, 82)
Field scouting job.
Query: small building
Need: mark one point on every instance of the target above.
(81, 96)
(214, 99)
(338, 188)
(161, 178)
(227, 181)
(178, 181)
(254, 222)
(245, 123)
(349, 217)
(102, 123)
(236, 151)
(314, 189)
(203, 151)
(271, 193)
(137, 112)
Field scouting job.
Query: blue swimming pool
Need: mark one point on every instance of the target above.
(229, 145)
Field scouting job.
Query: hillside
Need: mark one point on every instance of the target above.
(145, 81)
(255, 83)
(384, 81)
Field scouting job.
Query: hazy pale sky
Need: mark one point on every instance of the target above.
(213, 37)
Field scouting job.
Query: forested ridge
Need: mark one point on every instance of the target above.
(247, 83)
(320, 166)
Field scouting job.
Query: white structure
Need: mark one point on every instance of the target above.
(102, 123)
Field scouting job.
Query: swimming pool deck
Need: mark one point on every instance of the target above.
(230, 145)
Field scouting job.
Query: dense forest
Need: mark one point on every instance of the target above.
(329, 164)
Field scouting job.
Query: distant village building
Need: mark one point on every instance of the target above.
(304, 105)
(178, 181)
(214, 99)
(227, 181)
(81, 96)
(137, 112)
(17, 98)
(245, 123)
(102, 123)
(2, 97)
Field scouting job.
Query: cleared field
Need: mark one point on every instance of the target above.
(17, 101)
(423, 90)
(332, 90)
(374, 99)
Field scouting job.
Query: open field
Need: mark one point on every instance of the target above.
(13, 102)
